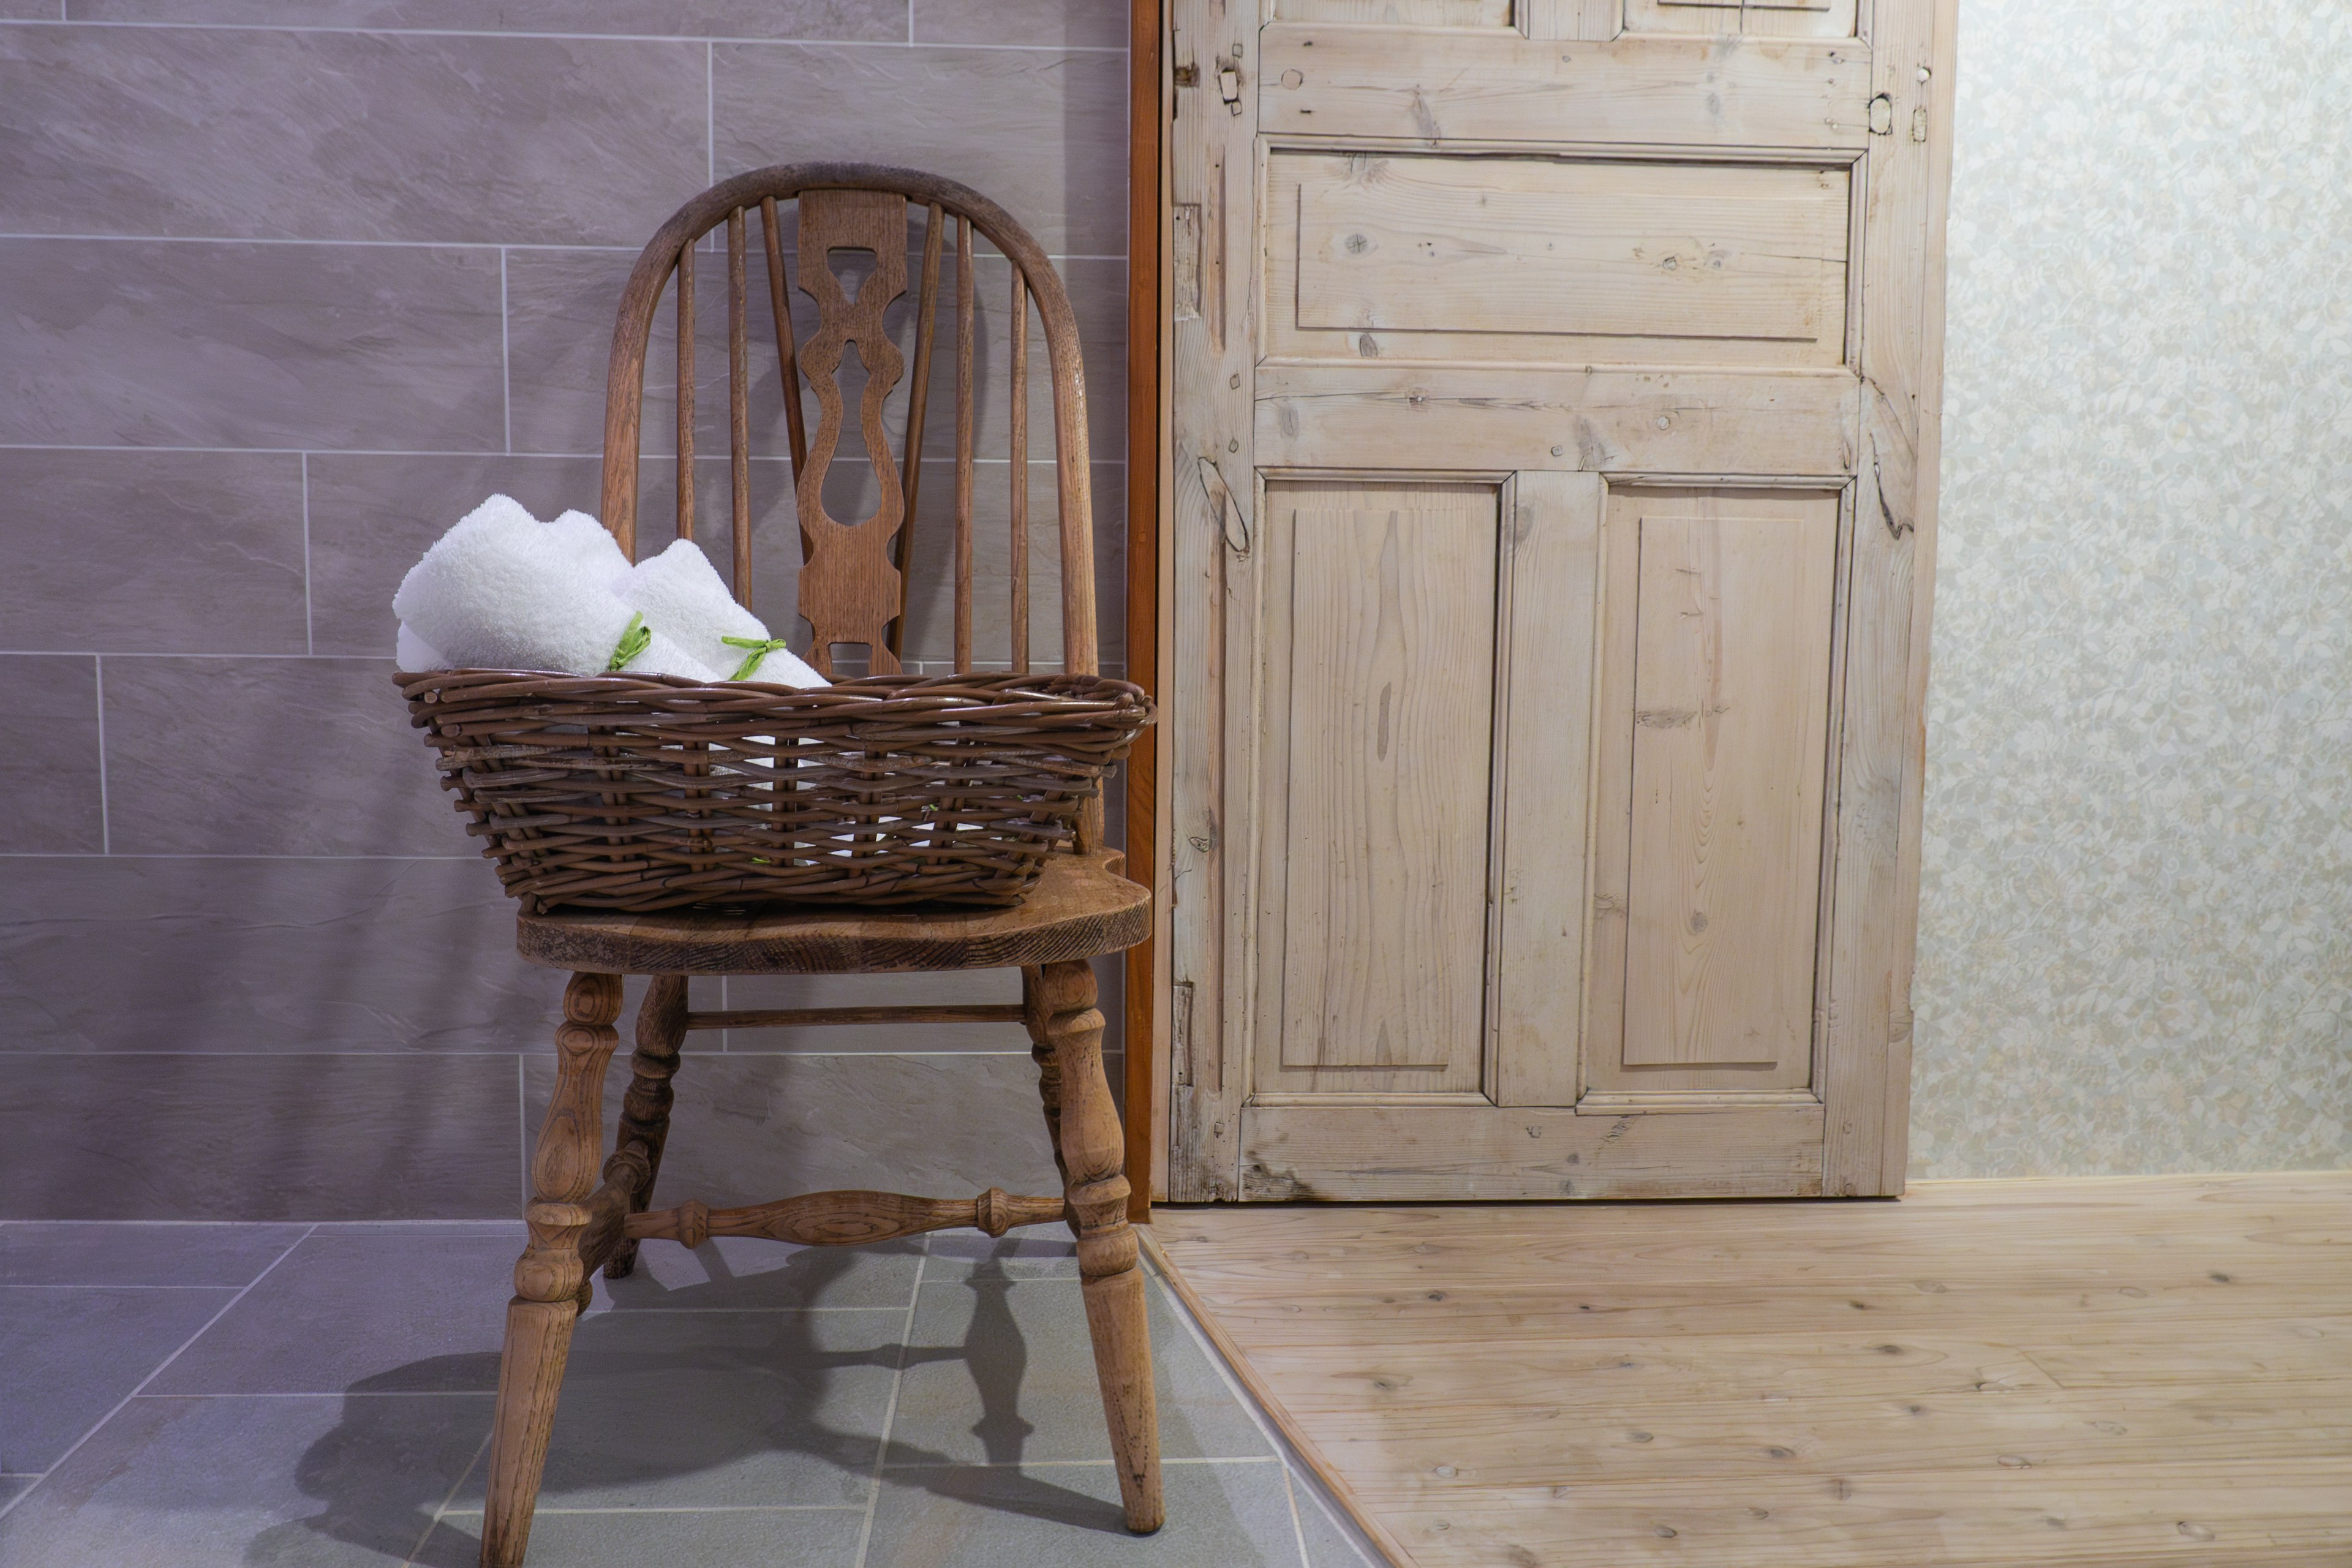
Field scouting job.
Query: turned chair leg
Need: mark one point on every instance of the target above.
(1091, 1148)
(645, 1109)
(551, 1281)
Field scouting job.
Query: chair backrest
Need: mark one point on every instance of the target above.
(854, 575)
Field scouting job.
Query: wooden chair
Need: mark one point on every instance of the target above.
(853, 591)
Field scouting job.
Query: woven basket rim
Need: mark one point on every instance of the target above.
(1037, 696)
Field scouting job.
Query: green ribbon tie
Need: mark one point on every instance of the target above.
(633, 642)
(760, 649)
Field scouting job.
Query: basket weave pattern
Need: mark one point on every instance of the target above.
(622, 792)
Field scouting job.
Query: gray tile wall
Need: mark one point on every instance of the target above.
(290, 287)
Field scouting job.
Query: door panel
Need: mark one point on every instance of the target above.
(1425, 89)
(1566, 261)
(1402, 13)
(1756, 18)
(1731, 685)
(1380, 703)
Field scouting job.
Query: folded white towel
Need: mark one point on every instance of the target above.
(682, 597)
(502, 591)
(414, 654)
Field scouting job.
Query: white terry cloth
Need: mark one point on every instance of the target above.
(591, 543)
(412, 653)
(683, 597)
(502, 591)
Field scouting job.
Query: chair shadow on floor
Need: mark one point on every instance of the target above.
(755, 1393)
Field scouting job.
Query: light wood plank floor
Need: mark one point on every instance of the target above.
(2112, 1371)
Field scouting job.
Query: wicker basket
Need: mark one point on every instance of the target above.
(622, 792)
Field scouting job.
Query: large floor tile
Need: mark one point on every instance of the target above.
(68, 1357)
(294, 134)
(161, 954)
(738, 1273)
(1068, 1516)
(720, 1409)
(322, 1482)
(154, 552)
(345, 775)
(256, 1137)
(50, 743)
(12, 1487)
(1003, 1371)
(66, 1253)
(397, 1313)
(163, 344)
(874, 21)
(734, 1538)
(748, 1129)
(1042, 131)
(1037, 1252)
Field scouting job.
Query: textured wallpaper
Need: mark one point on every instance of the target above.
(2136, 939)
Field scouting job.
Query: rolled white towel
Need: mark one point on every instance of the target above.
(591, 543)
(683, 597)
(501, 590)
(412, 653)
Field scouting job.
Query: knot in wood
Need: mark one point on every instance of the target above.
(629, 1170)
(593, 998)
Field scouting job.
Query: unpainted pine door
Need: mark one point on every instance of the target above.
(1552, 436)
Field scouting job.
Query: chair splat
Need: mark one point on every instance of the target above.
(851, 587)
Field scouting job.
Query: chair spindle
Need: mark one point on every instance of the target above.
(1020, 466)
(919, 397)
(788, 373)
(963, 452)
(739, 407)
(686, 393)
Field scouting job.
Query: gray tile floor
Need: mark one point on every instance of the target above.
(194, 1396)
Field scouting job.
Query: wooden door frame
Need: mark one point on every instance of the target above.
(1869, 1155)
(1145, 1034)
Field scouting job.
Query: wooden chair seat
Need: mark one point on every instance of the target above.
(591, 1210)
(1081, 907)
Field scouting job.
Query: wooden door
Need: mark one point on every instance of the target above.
(1551, 461)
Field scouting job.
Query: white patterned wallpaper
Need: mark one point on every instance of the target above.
(2136, 938)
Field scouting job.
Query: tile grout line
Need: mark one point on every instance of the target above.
(47, 235)
(1281, 1446)
(1297, 1529)
(646, 455)
(105, 814)
(309, 628)
(441, 1509)
(541, 1513)
(569, 37)
(226, 1308)
(890, 1408)
(87, 1285)
(709, 112)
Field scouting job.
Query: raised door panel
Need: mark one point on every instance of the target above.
(1561, 261)
(1758, 18)
(1659, 89)
(1378, 749)
(1400, 13)
(1714, 764)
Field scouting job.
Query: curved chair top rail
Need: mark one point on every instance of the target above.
(854, 573)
